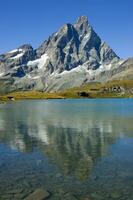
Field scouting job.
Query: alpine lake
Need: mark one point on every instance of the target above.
(71, 149)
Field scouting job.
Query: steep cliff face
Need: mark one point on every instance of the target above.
(70, 57)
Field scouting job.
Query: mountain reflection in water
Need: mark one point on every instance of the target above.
(72, 136)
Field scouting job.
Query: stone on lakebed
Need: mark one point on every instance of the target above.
(38, 194)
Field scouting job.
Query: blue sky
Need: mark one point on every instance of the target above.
(32, 21)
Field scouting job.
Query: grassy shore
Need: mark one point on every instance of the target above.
(112, 89)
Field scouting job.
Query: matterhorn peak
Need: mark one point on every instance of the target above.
(70, 56)
(82, 25)
(82, 20)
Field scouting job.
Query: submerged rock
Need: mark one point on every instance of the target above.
(86, 198)
(69, 196)
(38, 194)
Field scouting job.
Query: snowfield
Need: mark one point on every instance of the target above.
(39, 62)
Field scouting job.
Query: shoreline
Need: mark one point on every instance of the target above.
(63, 98)
(111, 89)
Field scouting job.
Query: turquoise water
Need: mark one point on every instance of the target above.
(82, 148)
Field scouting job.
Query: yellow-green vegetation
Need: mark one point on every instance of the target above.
(111, 89)
(127, 84)
(31, 95)
(3, 99)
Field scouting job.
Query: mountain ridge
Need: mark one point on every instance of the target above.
(70, 57)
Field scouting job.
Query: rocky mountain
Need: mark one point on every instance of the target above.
(70, 57)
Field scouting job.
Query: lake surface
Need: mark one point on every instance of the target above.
(75, 149)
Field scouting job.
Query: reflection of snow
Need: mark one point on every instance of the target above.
(43, 136)
(40, 133)
(39, 123)
(17, 144)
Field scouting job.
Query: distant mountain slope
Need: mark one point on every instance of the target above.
(72, 56)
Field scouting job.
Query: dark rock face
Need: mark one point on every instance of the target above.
(75, 49)
(29, 54)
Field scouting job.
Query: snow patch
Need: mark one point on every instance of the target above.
(16, 67)
(15, 51)
(17, 56)
(35, 77)
(39, 62)
(100, 69)
(105, 67)
(87, 36)
(80, 68)
(90, 72)
(32, 77)
(1, 74)
(28, 76)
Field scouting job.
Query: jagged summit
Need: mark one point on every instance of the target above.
(82, 26)
(82, 20)
(75, 53)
